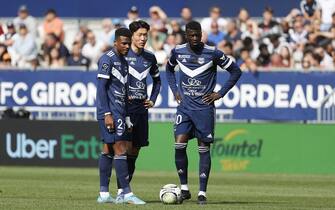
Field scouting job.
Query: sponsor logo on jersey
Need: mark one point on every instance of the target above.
(140, 85)
(193, 82)
(184, 56)
(116, 63)
(131, 59)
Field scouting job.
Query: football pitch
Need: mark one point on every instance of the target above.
(67, 188)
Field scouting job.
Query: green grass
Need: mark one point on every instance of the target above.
(66, 188)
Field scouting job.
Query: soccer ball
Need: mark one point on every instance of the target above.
(170, 194)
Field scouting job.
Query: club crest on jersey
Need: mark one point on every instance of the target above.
(201, 60)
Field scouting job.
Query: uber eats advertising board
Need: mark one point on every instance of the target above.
(265, 148)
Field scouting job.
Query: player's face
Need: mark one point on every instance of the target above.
(193, 37)
(122, 45)
(140, 37)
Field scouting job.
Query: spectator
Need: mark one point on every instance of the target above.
(53, 42)
(310, 9)
(297, 35)
(326, 61)
(107, 35)
(158, 18)
(156, 39)
(327, 9)
(204, 39)
(55, 60)
(5, 59)
(248, 27)
(264, 56)
(276, 61)
(133, 15)
(233, 34)
(215, 35)
(177, 32)
(8, 39)
(214, 16)
(252, 47)
(25, 49)
(81, 36)
(53, 24)
(186, 17)
(170, 43)
(228, 49)
(245, 62)
(76, 58)
(93, 49)
(268, 24)
(25, 18)
(243, 18)
(285, 53)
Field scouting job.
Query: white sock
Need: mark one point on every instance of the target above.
(184, 187)
(119, 191)
(202, 193)
(128, 194)
(104, 194)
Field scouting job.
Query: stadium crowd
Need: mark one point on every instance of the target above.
(303, 40)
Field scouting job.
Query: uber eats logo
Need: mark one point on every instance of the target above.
(20, 145)
(237, 150)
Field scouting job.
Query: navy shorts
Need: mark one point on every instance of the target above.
(139, 134)
(120, 132)
(195, 123)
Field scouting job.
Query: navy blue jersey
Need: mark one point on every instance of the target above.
(140, 65)
(197, 76)
(112, 85)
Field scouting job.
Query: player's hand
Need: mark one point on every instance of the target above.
(148, 104)
(178, 98)
(210, 98)
(109, 122)
(129, 124)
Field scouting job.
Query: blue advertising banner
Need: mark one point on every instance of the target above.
(263, 96)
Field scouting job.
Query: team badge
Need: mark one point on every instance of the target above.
(201, 60)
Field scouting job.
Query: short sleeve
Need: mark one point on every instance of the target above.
(104, 67)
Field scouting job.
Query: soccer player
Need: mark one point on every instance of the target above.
(141, 63)
(112, 118)
(196, 112)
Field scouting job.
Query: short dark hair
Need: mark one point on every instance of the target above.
(135, 25)
(122, 32)
(268, 9)
(51, 11)
(193, 25)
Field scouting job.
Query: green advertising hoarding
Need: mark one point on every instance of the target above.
(260, 148)
(265, 148)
